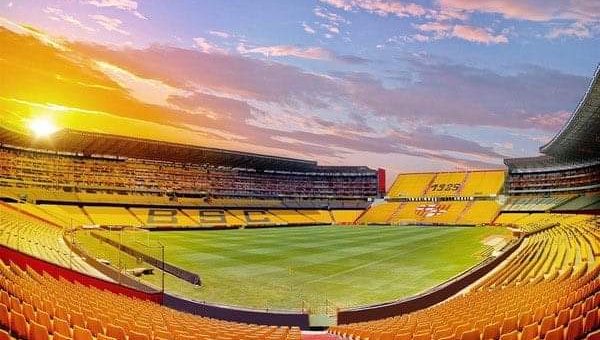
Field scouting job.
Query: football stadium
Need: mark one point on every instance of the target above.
(113, 236)
(106, 236)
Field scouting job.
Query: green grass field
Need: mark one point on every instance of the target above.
(316, 267)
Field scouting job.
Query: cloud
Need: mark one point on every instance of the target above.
(575, 18)
(436, 30)
(220, 34)
(243, 103)
(110, 24)
(146, 90)
(478, 35)
(333, 18)
(208, 47)
(446, 93)
(380, 7)
(58, 14)
(125, 5)
(330, 22)
(352, 59)
(442, 93)
(312, 53)
(577, 30)
(579, 19)
(307, 28)
(271, 105)
(532, 10)
(315, 53)
(552, 121)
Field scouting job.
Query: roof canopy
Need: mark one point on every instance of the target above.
(88, 143)
(580, 137)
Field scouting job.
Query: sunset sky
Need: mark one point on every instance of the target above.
(403, 85)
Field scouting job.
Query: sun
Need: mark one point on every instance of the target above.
(42, 127)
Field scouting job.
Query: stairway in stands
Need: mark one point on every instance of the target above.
(464, 212)
(394, 215)
(426, 190)
(462, 184)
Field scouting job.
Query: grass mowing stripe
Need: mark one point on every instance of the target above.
(286, 267)
(380, 260)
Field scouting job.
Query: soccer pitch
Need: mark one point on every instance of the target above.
(317, 268)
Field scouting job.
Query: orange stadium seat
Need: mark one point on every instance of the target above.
(142, 319)
(549, 288)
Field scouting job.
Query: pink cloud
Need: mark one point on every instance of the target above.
(438, 29)
(110, 24)
(312, 53)
(58, 14)
(550, 121)
(242, 96)
(125, 5)
(315, 53)
(478, 35)
(441, 30)
(532, 10)
(514, 9)
(380, 7)
(208, 47)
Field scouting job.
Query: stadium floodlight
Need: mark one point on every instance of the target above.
(42, 127)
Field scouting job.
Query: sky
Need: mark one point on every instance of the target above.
(402, 85)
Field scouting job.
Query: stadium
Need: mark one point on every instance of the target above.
(134, 228)
(112, 237)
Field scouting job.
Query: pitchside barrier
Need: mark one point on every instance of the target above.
(183, 274)
(428, 298)
(41, 266)
(228, 313)
(212, 311)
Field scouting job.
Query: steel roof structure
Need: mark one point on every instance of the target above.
(98, 144)
(580, 136)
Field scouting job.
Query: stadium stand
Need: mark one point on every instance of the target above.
(581, 202)
(74, 216)
(509, 218)
(570, 164)
(479, 212)
(28, 234)
(535, 203)
(345, 216)
(155, 217)
(411, 185)
(548, 288)
(445, 184)
(80, 312)
(112, 216)
(483, 183)
(379, 213)
(142, 179)
(318, 216)
(428, 212)
(444, 198)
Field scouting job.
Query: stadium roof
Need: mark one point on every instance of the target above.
(546, 163)
(90, 143)
(580, 137)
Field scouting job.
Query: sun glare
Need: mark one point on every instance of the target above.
(42, 126)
